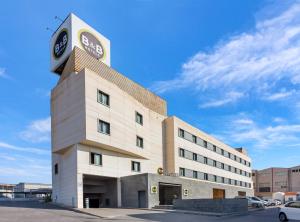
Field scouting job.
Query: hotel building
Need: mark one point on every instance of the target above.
(113, 144)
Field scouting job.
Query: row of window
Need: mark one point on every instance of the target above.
(210, 177)
(104, 99)
(296, 171)
(197, 140)
(104, 127)
(96, 159)
(205, 160)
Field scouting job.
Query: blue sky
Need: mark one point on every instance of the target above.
(230, 68)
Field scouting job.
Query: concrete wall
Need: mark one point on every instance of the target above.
(130, 186)
(64, 184)
(196, 189)
(214, 206)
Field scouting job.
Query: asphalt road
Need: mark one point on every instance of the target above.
(41, 212)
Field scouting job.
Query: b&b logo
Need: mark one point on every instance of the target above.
(60, 44)
(91, 44)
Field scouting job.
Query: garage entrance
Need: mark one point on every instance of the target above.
(168, 192)
(99, 191)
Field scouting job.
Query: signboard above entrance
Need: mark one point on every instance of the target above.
(75, 32)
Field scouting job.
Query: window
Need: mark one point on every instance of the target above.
(194, 139)
(103, 127)
(253, 174)
(103, 98)
(235, 157)
(214, 148)
(135, 166)
(205, 176)
(205, 160)
(222, 152)
(139, 142)
(293, 205)
(195, 156)
(223, 180)
(229, 181)
(215, 178)
(214, 163)
(56, 168)
(139, 118)
(195, 174)
(229, 168)
(205, 143)
(181, 152)
(222, 165)
(96, 159)
(181, 133)
(181, 172)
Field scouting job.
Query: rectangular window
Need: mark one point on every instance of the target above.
(222, 152)
(135, 166)
(205, 160)
(214, 148)
(195, 174)
(139, 142)
(229, 181)
(222, 179)
(194, 139)
(214, 163)
(181, 133)
(181, 172)
(215, 178)
(56, 168)
(181, 152)
(229, 168)
(222, 166)
(139, 118)
(195, 156)
(96, 159)
(205, 143)
(205, 176)
(103, 98)
(103, 127)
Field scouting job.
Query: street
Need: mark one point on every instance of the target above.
(32, 211)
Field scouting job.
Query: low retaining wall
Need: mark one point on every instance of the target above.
(214, 206)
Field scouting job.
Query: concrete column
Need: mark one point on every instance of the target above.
(119, 198)
(79, 191)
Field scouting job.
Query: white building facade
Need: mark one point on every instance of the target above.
(108, 132)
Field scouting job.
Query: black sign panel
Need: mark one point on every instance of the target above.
(60, 44)
(91, 45)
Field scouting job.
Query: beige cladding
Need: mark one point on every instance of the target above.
(173, 161)
(79, 60)
(75, 112)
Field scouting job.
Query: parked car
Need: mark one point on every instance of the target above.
(254, 202)
(290, 211)
(278, 202)
(271, 202)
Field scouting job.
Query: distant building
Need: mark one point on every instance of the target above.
(272, 180)
(6, 190)
(27, 190)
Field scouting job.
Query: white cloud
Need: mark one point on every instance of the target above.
(279, 95)
(246, 62)
(7, 146)
(3, 73)
(37, 131)
(246, 131)
(229, 98)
